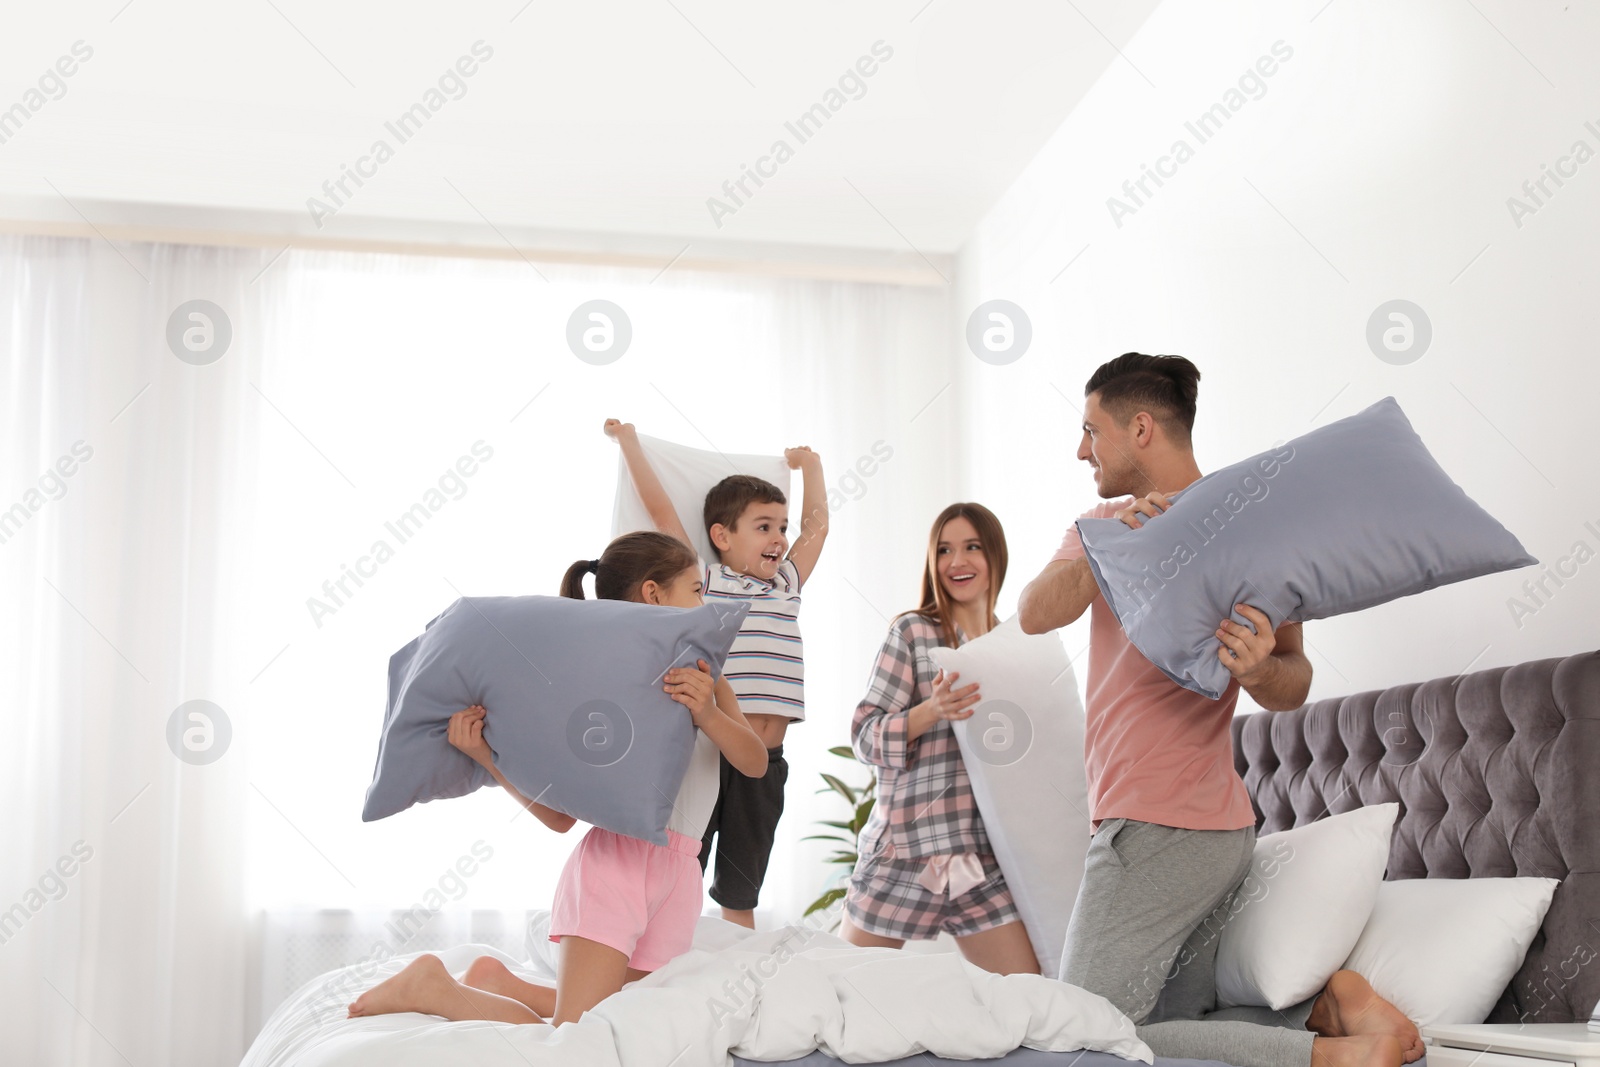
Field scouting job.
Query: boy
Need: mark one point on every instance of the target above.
(747, 521)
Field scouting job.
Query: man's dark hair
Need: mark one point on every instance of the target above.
(1165, 386)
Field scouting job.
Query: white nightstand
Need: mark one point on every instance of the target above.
(1512, 1045)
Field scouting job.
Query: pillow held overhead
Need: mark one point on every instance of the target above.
(687, 474)
(1348, 516)
(577, 717)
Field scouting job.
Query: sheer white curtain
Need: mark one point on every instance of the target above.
(392, 369)
(126, 492)
(206, 551)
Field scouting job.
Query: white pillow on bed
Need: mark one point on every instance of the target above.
(1023, 749)
(687, 474)
(1442, 950)
(1302, 907)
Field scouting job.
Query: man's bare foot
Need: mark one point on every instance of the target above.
(1350, 1007)
(406, 991)
(1367, 1050)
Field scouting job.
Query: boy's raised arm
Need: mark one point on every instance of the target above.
(813, 510)
(645, 482)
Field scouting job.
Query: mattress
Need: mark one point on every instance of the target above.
(1022, 1057)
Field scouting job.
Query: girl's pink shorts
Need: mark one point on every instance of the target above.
(638, 898)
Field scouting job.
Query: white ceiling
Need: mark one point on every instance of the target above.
(601, 118)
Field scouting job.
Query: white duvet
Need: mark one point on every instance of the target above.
(768, 996)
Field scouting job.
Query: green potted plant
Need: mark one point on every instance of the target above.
(843, 832)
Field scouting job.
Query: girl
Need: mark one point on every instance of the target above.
(623, 907)
(925, 862)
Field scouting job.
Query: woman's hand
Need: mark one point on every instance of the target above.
(617, 429)
(947, 704)
(1149, 506)
(693, 689)
(952, 704)
(466, 734)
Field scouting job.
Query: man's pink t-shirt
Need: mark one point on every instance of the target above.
(1155, 751)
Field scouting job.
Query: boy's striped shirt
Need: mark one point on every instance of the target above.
(766, 666)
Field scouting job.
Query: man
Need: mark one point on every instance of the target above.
(1174, 828)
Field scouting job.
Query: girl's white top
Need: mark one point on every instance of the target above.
(691, 810)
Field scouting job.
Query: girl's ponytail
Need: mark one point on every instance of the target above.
(627, 563)
(572, 581)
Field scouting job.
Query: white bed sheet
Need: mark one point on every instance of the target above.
(775, 995)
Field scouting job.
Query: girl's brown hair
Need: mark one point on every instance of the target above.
(627, 563)
(935, 601)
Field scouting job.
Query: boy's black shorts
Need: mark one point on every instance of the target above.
(744, 822)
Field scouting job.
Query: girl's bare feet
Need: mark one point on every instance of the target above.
(1350, 1007)
(425, 986)
(490, 974)
(418, 985)
(486, 972)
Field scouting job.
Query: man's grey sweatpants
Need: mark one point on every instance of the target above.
(1144, 936)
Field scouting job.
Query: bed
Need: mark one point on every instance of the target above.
(1496, 773)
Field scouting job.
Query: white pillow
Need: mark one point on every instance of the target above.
(1442, 950)
(687, 474)
(1302, 907)
(1023, 748)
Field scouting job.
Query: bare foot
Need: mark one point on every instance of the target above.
(489, 974)
(418, 984)
(1367, 1050)
(1349, 1007)
(486, 972)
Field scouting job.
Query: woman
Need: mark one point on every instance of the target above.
(925, 862)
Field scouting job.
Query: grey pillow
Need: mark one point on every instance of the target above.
(577, 717)
(1352, 514)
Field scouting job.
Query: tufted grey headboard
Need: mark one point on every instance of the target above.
(1497, 775)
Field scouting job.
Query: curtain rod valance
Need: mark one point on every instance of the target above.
(167, 224)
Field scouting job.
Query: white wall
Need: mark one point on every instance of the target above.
(1376, 164)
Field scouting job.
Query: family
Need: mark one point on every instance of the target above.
(1173, 824)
